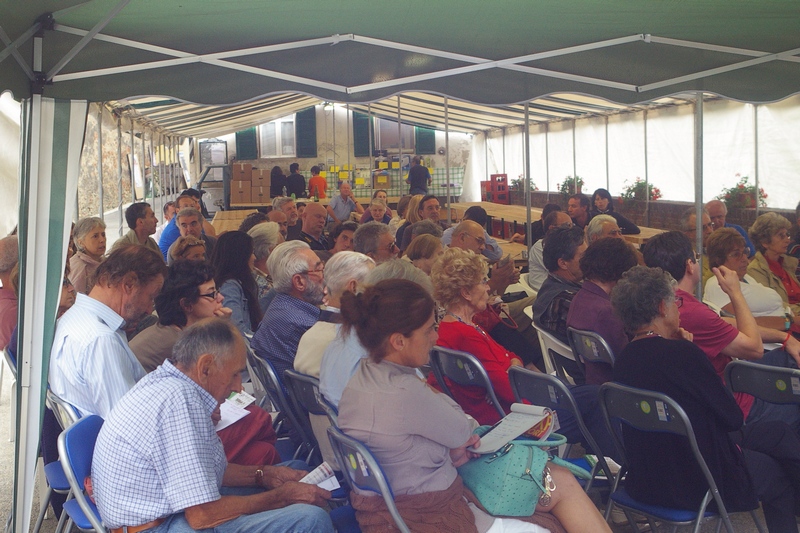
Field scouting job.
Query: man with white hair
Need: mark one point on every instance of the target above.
(375, 240)
(287, 206)
(601, 227)
(717, 211)
(9, 257)
(297, 277)
(342, 205)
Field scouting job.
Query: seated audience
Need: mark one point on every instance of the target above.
(748, 463)
(196, 197)
(342, 356)
(9, 258)
(89, 237)
(537, 272)
(794, 247)
(136, 457)
(232, 260)
(189, 247)
(169, 213)
(343, 204)
(602, 227)
(342, 237)
(91, 365)
(190, 223)
(537, 228)
(476, 213)
(313, 233)
(399, 217)
(723, 339)
(603, 204)
(411, 215)
(142, 222)
(286, 205)
(602, 265)
(377, 211)
(727, 248)
(375, 240)
(280, 218)
(253, 219)
(298, 280)
(771, 266)
(579, 209)
(265, 237)
(420, 437)
(423, 251)
(382, 195)
(717, 213)
(171, 231)
(688, 226)
(428, 210)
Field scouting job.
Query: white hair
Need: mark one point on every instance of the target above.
(265, 238)
(595, 226)
(284, 262)
(399, 269)
(344, 267)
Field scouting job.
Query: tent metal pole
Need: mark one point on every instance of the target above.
(133, 160)
(399, 137)
(142, 169)
(698, 184)
(333, 112)
(447, 154)
(119, 174)
(152, 166)
(755, 153)
(504, 150)
(162, 169)
(371, 141)
(347, 127)
(527, 187)
(646, 175)
(608, 175)
(547, 157)
(100, 161)
(11, 48)
(574, 158)
(485, 157)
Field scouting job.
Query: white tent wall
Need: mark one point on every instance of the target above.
(9, 159)
(670, 159)
(590, 152)
(626, 150)
(779, 152)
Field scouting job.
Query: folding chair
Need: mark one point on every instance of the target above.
(548, 391)
(464, 369)
(304, 390)
(363, 472)
(772, 384)
(75, 451)
(590, 346)
(551, 346)
(645, 411)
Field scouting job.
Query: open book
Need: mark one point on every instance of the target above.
(532, 420)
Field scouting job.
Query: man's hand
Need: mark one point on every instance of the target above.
(275, 476)
(216, 416)
(503, 276)
(293, 492)
(793, 348)
(461, 455)
(685, 335)
(223, 312)
(728, 280)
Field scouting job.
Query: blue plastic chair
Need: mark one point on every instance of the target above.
(639, 409)
(75, 451)
(362, 471)
(464, 369)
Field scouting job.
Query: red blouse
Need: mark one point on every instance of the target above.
(791, 286)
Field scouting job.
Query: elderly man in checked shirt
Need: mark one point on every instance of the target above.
(167, 471)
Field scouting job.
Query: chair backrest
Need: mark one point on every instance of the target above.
(75, 452)
(464, 369)
(65, 413)
(770, 383)
(304, 390)
(362, 470)
(655, 412)
(590, 346)
(549, 391)
(550, 346)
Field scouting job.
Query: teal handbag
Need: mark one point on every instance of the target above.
(511, 481)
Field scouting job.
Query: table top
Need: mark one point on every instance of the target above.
(391, 200)
(229, 220)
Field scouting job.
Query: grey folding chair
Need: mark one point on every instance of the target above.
(548, 391)
(464, 369)
(304, 390)
(590, 346)
(772, 384)
(645, 411)
(363, 472)
(551, 348)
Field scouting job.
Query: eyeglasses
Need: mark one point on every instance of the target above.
(213, 294)
(485, 281)
(679, 301)
(318, 269)
(480, 240)
(391, 246)
(783, 234)
(737, 254)
(66, 282)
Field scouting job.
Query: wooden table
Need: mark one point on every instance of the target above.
(390, 201)
(517, 251)
(229, 220)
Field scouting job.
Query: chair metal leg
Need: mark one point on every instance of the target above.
(10, 519)
(759, 525)
(62, 520)
(42, 510)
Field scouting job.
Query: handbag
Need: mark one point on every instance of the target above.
(493, 315)
(511, 481)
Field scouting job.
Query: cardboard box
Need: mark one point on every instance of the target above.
(240, 196)
(242, 172)
(259, 195)
(261, 178)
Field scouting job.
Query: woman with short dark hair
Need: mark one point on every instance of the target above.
(603, 204)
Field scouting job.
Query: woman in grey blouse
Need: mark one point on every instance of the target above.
(418, 435)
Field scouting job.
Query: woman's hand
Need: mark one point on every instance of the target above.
(461, 455)
(685, 335)
(223, 312)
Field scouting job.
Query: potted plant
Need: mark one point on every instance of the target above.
(638, 191)
(570, 186)
(743, 195)
(518, 184)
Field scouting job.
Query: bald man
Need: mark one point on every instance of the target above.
(313, 234)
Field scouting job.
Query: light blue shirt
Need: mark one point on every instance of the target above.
(91, 365)
(342, 208)
(339, 363)
(537, 272)
(233, 298)
(155, 465)
(492, 252)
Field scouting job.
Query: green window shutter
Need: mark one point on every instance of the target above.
(424, 141)
(361, 144)
(305, 124)
(246, 144)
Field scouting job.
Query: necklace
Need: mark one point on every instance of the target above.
(643, 334)
(476, 326)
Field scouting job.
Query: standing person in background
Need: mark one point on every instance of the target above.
(419, 178)
(295, 182)
(603, 204)
(277, 182)
(90, 241)
(342, 205)
(317, 184)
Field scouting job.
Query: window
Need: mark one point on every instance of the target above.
(386, 135)
(276, 138)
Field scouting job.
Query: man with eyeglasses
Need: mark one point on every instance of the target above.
(688, 224)
(375, 240)
(491, 250)
(724, 338)
(298, 279)
(429, 209)
(717, 212)
(537, 272)
(190, 223)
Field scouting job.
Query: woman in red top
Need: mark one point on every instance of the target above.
(460, 286)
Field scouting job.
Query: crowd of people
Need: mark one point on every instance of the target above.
(356, 298)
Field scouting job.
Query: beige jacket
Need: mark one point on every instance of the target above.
(759, 269)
